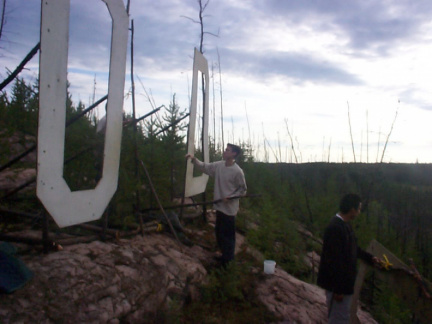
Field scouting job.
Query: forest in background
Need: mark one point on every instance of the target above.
(396, 197)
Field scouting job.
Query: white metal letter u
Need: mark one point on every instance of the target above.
(67, 207)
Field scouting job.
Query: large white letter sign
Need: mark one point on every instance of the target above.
(67, 207)
(196, 185)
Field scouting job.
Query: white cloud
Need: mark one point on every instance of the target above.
(296, 60)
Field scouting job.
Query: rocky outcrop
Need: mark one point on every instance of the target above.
(130, 281)
(13, 178)
(135, 281)
(296, 301)
(11, 147)
(16, 144)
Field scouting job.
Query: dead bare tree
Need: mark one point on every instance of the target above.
(291, 140)
(378, 144)
(388, 135)
(2, 21)
(201, 23)
(266, 155)
(221, 98)
(147, 94)
(367, 136)
(249, 131)
(201, 11)
(128, 7)
(298, 149)
(349, 123)
(279, 148)
(135, 128)
(214, 107)
(323, 149)
(266, 142)
(232, 128)
(20, 67)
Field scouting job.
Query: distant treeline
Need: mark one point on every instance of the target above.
(397, 209)
(294, 198)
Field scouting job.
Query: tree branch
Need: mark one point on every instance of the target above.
(20, 67)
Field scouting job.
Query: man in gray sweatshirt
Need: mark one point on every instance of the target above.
(229, 182)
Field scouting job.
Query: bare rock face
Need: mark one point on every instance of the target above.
(11, 147)
(99, 282)
(135, 280)
(18, 143)
(13, 178)
(296, 301)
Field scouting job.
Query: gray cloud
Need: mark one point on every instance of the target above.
(163, 35)
(370, 25)
(411, 95)
(299, 67)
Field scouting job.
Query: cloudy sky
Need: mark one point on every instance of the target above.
(288, 68)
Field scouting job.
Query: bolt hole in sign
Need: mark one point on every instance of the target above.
(65, 206)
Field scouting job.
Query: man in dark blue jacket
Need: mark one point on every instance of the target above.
(338, 266)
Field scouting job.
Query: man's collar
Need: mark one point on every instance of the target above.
(337, 215)
(231, 163)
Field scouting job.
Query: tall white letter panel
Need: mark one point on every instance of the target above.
(196, 185)
(67, 207)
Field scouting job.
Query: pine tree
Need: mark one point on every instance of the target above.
(173, 142)
(21, 112)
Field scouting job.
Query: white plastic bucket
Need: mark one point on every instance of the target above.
(269, 266)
